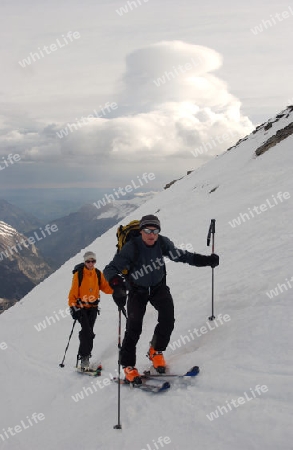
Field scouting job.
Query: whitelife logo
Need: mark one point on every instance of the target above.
(49, 229)
(270, 203)
(24, 425)
(130, 6)
(280, 288)
(87, 120)
(109, 198)
(47, 50)
(9, 160)
(257, 391)
(272, 21)
(184, 339)
(175, 72)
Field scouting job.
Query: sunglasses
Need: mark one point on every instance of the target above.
(91, 261)
(148, 231)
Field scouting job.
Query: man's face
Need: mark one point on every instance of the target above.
(149, 238)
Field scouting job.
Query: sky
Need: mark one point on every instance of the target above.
(102, 93)
(246, 347)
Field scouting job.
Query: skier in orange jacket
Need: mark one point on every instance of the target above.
(83, 300)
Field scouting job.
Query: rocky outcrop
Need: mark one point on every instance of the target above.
(274, 140)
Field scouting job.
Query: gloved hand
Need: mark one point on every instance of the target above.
(202, 260)
(75, 312)
(213, 260)
(119, 295)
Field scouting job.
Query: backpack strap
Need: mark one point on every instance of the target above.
(98, 272)
(80, 275)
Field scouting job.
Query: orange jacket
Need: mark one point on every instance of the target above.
(89, 290)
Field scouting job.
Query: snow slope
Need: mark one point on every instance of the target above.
(245, 360)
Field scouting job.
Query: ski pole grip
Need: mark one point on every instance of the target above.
(212, 230)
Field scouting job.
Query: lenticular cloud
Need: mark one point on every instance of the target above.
(172, 112)
(170, 104)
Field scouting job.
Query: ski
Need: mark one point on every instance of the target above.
(146, 385)
(149, 374)
(91, 372)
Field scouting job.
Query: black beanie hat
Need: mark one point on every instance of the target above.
(151, 221)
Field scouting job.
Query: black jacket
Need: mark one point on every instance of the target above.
(145, 264)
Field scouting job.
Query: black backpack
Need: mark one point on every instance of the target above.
(79, 268)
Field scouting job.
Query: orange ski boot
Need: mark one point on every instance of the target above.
(132, 375)
(157, 359)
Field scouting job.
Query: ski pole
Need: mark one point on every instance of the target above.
(62, 363)
(118, 426)
(212, 231)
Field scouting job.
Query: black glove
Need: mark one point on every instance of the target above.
(202, 260)
(119, 295)
(213, 260)
(75, 312)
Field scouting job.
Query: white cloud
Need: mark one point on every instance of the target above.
(154, 122)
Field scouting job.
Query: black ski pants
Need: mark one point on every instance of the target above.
(86, 335)
(161, 299)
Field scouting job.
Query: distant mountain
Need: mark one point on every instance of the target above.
(21, 266)
(48, 204)
(17, 217)
(24, 266)
(77, 230)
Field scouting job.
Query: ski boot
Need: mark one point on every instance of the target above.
(132, 375)
(157, 359)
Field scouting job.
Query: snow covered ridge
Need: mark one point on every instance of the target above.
(277, 128)
(274, 140)
(122, 208)
(6, 230)
(23, 241)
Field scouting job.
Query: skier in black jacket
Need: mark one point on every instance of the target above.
(146, 281)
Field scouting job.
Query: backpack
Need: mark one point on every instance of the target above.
(127, 232)
(79, 268)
